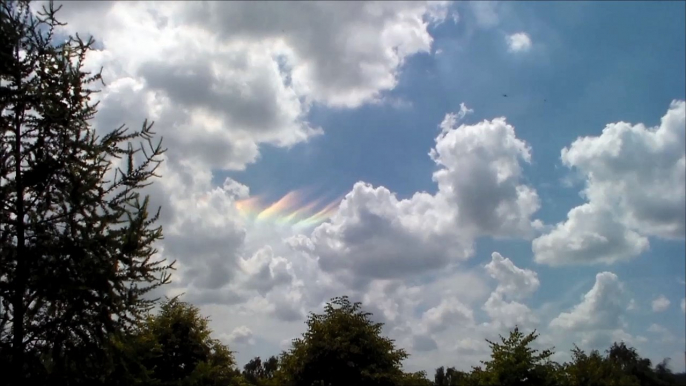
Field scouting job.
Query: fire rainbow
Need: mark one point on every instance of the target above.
(291, 209)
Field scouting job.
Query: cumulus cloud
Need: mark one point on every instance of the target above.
(448, 312)
(590, 235)
(660, 304)
(597, 320)
(514, 285)
(266, 271)
(241, 336)
(480, 193)
(481, 176)
(518, 42)
(600, 308)
(245, 74)
(513, 281)
(221, 80)
(635, 189)
(327, 45)
(506, 314)
(450, 328)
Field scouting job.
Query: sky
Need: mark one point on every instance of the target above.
(460, 168)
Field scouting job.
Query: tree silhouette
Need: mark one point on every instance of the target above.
(176, 347)
(342, 347)
(77, 240)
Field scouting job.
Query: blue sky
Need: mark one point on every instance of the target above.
(591, 64)
(331, 118)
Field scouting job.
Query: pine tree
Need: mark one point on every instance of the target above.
(77, 254)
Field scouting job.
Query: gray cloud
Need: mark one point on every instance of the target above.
(329, 48)
(424, 343)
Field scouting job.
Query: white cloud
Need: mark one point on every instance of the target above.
(333, 59)
(683, 305)
(660, 304)
(481, 178)
(464, 111)
(448, 312)
(600, 308)
(241, 336)
(244, 74)
(266, 271)
(450, 331)
(518, 42)
(635, 189)
(513, 281)
(221, 80)
(597, 320)
(590, 235)
(506, 314)
(480, 193)
(638, 171)
(514, 284)
(439, 10)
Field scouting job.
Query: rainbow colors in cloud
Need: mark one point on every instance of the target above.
(292, 209)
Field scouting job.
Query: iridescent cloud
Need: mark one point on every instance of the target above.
(291, 209)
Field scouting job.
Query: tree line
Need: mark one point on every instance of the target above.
(78, 262)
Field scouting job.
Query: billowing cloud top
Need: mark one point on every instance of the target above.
(238, 89)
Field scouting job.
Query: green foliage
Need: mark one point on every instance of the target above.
(259, 373)
(594, 369)
(77, 259)
(415, 379)
(76, 241)
(343, 347)
(175, 348)
(515, 362)
(450, 377)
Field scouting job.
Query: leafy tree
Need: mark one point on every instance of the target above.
(514, 362)
(621, 366)
(627, 361)
(664, 375)
(450, 377)
(594, 370)
(415, 379)
(76, 244)
(175, 348)
(439, 377)
(260, 373)
(342, 347)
